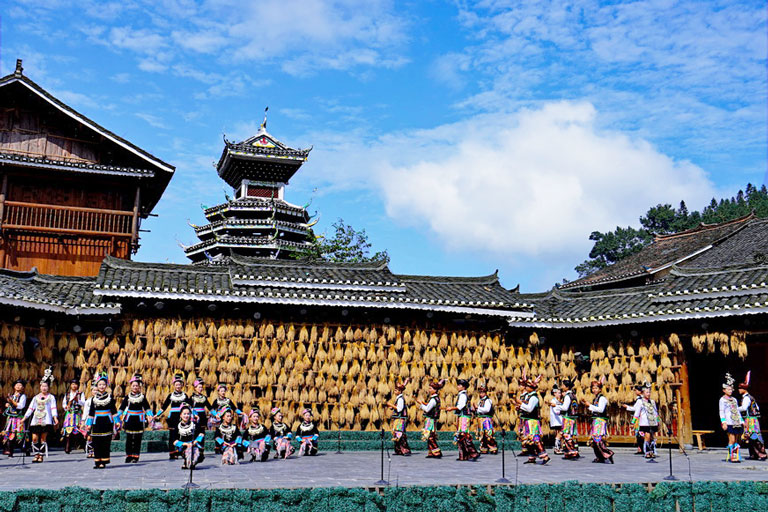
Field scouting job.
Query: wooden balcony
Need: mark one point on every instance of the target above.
(70, 220)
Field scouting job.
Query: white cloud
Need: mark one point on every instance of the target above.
(534, 182)
(152, 120)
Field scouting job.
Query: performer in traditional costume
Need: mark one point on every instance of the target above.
(647, 416)
(44, 415)
(83, 424)
(730, 419)
(103, 421)
(281, 434)
(400, 420)
(639, 437)
(72, 404)
(223, 403)
(431, 410)
(135, 415)
(463, 411)
(556, 418)
(256, 437)
(570, 412)
(485, 413)
(307, 434)
(200, 412)
(598, 434)
(172, 404)
(529, 407)
(190, 441)
(228, 438)
(13, 432)
(751, 413)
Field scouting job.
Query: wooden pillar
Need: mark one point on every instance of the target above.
(684, 421)
(3, 241)
(135, 221)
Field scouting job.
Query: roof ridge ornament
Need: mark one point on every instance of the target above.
(263, 126)
(19, 68)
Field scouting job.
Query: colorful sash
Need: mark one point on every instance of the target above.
(599, 429)
(463, 424)
(71, 422)
(398, 427)
(569, 427)
(752, 429)
(429, 427)
(530, 430)
(13, 427)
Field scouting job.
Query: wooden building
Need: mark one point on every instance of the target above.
(71, 191)
(336, 337)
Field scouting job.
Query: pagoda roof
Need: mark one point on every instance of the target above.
(292, 282)
(157, 171)
(260, 157)
(244, 242)
(664, 252)
(235, 223)
(256, 204)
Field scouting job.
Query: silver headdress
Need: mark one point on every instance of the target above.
(729, 380)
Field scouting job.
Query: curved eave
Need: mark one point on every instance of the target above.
(245, 243)
(223, 226)
(251, 205)
(297, 300)
(644, 317)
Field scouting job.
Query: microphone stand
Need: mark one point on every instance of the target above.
(382, 481)
(503, 479)
(668, 425)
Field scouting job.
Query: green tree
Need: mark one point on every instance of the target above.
(663, 219)
(346, 245)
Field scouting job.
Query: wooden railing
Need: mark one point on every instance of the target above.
(74, 220)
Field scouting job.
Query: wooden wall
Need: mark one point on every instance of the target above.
(68, 256)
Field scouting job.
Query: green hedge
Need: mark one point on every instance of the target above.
(157, 441)
(571, 496)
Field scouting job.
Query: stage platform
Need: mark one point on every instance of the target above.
(362, 469)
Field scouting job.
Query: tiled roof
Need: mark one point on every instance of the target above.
(249, 224)
(306, 283)
(749, 246)
(245, 242)
(662, 252)
(684, 293)
(38, 161)
(255, 204)
(60, 294)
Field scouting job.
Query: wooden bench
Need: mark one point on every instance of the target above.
(699, 435)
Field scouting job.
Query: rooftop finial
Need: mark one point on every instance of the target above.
(19, 68)
(263, 126)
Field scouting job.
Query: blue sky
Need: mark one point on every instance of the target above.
(464, 137)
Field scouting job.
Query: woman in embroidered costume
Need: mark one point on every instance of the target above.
(281, 435)
(529, 407)
(228, 438)
(730, 419)
(647, 419)
(463, 411)
(13, 433)
(72, 404)
(307, 434)
(172, 404)
(190, 441)
(83, 423)
(103, 421)
(256, 438)
(556, 418)
(135, 415)
(570, 413)
(751, 413)
(200, 412)
(44, 417)
(598, 434)
(223, 402)
(431, 410)
(485, 413)
(639, 436)
(400, 420)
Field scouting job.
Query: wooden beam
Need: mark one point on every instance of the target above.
(683, 395)
(70, 208)
(135, 221)
(3, 192)
(43, 229)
